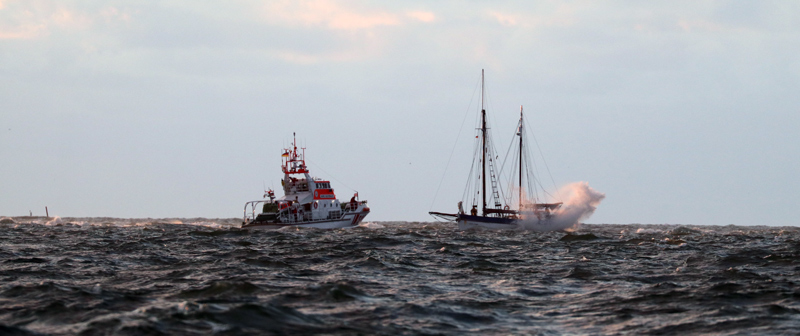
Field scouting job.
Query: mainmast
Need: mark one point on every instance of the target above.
(483, 150)
(520, 157)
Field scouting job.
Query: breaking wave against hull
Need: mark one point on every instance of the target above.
(581, 202)
(206, 276)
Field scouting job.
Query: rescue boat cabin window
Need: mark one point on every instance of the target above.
(323, 185)
(300, 185)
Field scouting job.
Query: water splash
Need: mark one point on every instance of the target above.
(581, 203)
(371, 225)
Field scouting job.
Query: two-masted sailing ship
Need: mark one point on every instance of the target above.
(307, 201)
(497, 210)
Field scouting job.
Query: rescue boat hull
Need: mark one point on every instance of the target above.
(347, 221)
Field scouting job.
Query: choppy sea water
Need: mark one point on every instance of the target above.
(105, 276)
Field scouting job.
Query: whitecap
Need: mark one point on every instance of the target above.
(371, 225)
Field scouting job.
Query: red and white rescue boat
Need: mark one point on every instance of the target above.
(307, 201)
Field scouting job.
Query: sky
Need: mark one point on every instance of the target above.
(680, 112)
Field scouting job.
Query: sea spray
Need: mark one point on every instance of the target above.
(371, 225)
(581, 202)
(54, 221)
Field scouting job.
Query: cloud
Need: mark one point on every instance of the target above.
(700, 25)
(306, 58)
(69, 19)
(504, 19)
(328, 14)
(23, 32)
(19, 24)
(34, 19)
(560, 16)
(422, 16)
(339, 31)
(110, 14)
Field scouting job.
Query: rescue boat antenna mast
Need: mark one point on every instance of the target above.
(292, 159)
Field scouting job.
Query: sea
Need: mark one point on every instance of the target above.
(180, 276)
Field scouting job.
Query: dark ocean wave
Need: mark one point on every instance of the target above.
(106, 276)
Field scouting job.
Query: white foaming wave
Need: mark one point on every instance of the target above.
(213, 225)
(581, 203)
(371, 225)
(88, 222)
(54, 221)
(648, 231)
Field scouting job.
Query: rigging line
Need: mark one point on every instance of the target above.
(502, 193)
(534, 170)
(488, 103)
(505, 159)
(528, 192)
(470, 176)
(531, 194)
(532, 181)
(510, 180)
(477, 147)
(537, 180)
(454, 147)
(547, 167)
(316, 166)
(490, 151)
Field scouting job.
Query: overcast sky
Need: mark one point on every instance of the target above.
(681, 112)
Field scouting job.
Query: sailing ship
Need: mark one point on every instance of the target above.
(499, 214)
(307, 201)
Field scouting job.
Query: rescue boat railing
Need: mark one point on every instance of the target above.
(352, 206)
(253, 206)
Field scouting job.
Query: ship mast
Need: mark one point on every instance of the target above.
(520, 158)
(294, 163)
(483, 150)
